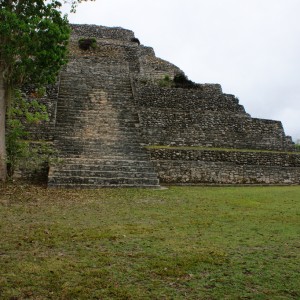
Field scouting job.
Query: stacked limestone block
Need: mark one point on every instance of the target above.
(204, 116)
(96, 134)
(111, 104)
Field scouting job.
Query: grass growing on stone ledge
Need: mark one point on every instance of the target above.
(217, 149)
(180, 243)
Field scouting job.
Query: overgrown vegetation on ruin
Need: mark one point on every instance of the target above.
(87, 44)
(179, 81)
(21, 113)
(180, 243)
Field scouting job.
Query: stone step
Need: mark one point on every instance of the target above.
(105, 138)
(68, 169)
(101, 141)
(98, 123)
(122, 153)
(78, 77)
(88, 120)
(110, 117)
(83, 79)
(87, 131)
(119, 181)
(93, 186)
(68, 96)
(124, 108)
(101, 145)
(66, 91)
(110, 92)
(101, 120)
(88, 85)
(81, 130)
(80, 88)
(107, 94)
(121, 78)
(104, 162)
(77, 153)
(101, 174)
(112, 156)
(98, 141)
(77, 102)
(98, 138)
(145, 168)
(101, 149)
(127, 111)
(105, 134)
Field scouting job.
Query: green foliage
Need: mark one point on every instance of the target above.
(135, 40)
(166, 82)
(181, 81)
(74, 4)
(20, 113)
(33, 47)
(33, 39)
(87, 44)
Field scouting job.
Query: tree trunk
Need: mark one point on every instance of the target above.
(3, 170)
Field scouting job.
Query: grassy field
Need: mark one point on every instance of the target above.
(180, 243)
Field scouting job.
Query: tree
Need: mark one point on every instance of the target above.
(33, 47)
(74, 4)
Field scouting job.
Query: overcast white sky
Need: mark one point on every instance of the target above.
(250, 47)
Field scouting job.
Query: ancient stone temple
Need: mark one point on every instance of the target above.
(121, 117)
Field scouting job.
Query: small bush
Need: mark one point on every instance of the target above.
(165, 82)
(87, 44)
(135, 40)
(181, 81)
(20, 113)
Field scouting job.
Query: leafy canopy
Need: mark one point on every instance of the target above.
(33, 47)
(33, 41)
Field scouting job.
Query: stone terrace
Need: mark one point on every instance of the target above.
(96, 130)
(109, 104)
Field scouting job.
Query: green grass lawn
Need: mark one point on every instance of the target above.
(180, 243)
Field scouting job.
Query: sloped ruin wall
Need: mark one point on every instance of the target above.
(195, 135)
(204, 117)
(225, 166)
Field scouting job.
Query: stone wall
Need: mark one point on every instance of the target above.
(154, 68)
(203, 117)
(96, 136)
(100, 32)
(225, 167)
(108, 104)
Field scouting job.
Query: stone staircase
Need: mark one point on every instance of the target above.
(97, 134)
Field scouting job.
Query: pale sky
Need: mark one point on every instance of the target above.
(250, 47)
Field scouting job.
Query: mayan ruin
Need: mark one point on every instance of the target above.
(122, 117)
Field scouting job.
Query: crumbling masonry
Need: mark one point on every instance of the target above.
(117, 120)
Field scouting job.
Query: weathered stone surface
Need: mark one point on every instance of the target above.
(96, 131)
(226, 167)
(204, 117)
(108, 104)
